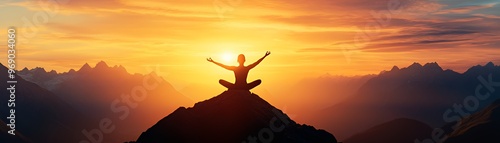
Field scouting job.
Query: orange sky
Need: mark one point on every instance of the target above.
(306, 38)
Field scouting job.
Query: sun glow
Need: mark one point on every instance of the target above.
(227, 57)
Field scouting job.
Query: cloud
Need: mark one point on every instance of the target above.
(439, 41)
(319, 50)
(465, 9)
(316, 20)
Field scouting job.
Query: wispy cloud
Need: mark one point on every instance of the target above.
(465, 9)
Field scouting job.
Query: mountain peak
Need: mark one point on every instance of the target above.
(479, 69)
(395, 68)
(71, 71)
(233, 116)
(101, 65)
(52, 72)
(121, 68)
(39, 70)
(490, 64)
(85, 68)
(415, 65)
(25, 69)
(432, 66)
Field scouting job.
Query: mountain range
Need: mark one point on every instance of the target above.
(134, 101)
(420, 92)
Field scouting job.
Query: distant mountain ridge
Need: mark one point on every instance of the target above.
(103, 91)
(49, 80)
(421, 92)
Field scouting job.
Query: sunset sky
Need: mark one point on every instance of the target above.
(306, 38)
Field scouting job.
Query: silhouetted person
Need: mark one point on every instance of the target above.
(241, 73)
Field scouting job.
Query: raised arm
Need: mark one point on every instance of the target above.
(221, 65)
(260, 60)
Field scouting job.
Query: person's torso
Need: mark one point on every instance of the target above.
(241, 74)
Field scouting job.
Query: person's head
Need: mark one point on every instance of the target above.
(241, 58)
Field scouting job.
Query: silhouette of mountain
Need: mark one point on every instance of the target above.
(395, 68)
(488, 68)
(40, 115)
(416, 92)
(233, 116)
(134, 101)
(415, 67)
(432, 67)
(85, 68)
(480, 127)
(101, 66)
(400, 130)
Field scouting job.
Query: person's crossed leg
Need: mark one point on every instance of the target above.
(248, 86)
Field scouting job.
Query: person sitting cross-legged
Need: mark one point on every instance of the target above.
(241, 73)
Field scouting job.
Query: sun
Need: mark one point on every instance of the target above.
(227, 57)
